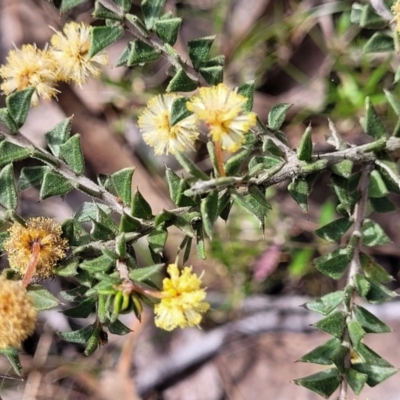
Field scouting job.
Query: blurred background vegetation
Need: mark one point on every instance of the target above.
(306, 53)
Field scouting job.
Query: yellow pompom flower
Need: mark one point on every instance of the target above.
(71, 52)
(396, 12)
(29, 67)
(182, 300)
(38, 246)
(17, 314)
(154, 123)
(222, 110)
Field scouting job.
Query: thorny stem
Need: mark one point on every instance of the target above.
(153, 41)
(358, 217)
(220, 162)
(31, 268)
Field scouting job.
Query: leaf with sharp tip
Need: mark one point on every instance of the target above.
(8, 193)
(322, 354)
(103, 36)
(327, 303)
(324, 383)
(209, 211)
(369, 322)
(19, 104)
(42, 298)
(334, 323)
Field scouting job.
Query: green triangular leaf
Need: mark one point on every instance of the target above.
(42, 298)
(8, 193)
(376, 186)
(342, 168)
(142, 274)
(322, 354)
(209, 212)
(54, 185)
(373, 270)
(212, 75)
(232, 166)
(19, 104)
(324, 383)
(356, 332)
(181, 83)
(99, 264)
(103, 36)
(89, 211)
(140, 208)
(152, 10)
(157, 239)
(67, 5)
(356, 380)
(304, 151)
(13, 357)
(379, 293)
(199, 50)
(247, 90)
(382, 205)
(190, 167)
(31, 176)
(80, 336)
(141, 53)
(333, 264)
(334, 323)
(71, 152)
(168, 29)
(327, 303)
(334, 230)
(362, 285)
(379, 42)
(277, 115)
(82, 310)
(122, 182)
(178, 111)
(118, 328)
(373, 126)
(58, 136)
(369, 322)
(373, 234)
(10, 152)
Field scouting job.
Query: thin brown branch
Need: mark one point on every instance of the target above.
(358, 216)
(152, 40)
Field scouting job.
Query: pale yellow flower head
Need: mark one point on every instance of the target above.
(222, 110)
(71, 51)
(182, 303)
(17, 314)
(29, 67)
(396, 13)
(39, 230)
(154, 123)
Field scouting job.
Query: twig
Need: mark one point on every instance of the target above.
(268, 314)
(153, 41)
(358, 216)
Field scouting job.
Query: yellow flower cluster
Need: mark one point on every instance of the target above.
(67, 59)
(396, 13)
(182, 300)
(219, 107)
(20, 244)
(222, 110)
(156, 127)
(17, 314)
